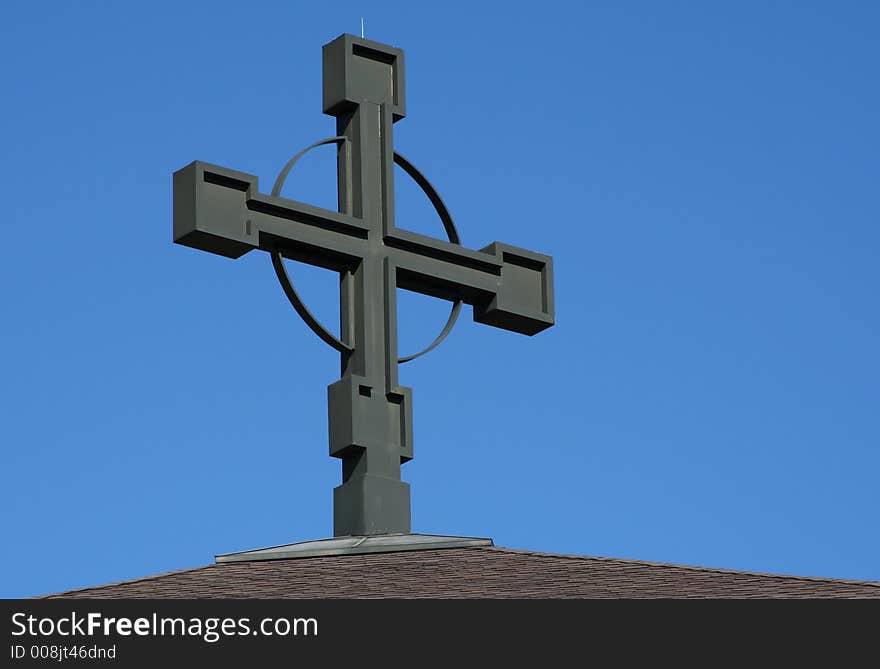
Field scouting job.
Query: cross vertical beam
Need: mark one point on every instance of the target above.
(370, 414)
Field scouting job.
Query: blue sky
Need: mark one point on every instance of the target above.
(704, 175)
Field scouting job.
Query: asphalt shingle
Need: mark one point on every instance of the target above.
(470, 573)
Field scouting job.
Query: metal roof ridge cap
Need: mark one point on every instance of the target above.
(296, 543)
(378, 543)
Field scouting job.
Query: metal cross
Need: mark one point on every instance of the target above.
(222, 211)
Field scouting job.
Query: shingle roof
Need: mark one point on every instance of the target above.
(486, 572)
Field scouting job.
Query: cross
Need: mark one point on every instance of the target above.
(222, 211)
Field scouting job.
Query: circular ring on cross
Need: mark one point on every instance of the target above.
(293, 296)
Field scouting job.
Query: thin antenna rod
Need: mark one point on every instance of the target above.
(362, 26)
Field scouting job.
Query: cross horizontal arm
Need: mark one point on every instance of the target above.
(508, 287)
(222, 211)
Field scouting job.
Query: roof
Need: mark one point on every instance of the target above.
(475, 572)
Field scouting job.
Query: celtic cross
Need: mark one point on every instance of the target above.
(222, 211)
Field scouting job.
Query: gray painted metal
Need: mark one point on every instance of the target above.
(293, 296)
(383, 543)
(222, 211)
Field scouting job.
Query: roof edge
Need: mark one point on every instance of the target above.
(690, 567)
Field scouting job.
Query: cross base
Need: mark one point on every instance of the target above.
(369, 504)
